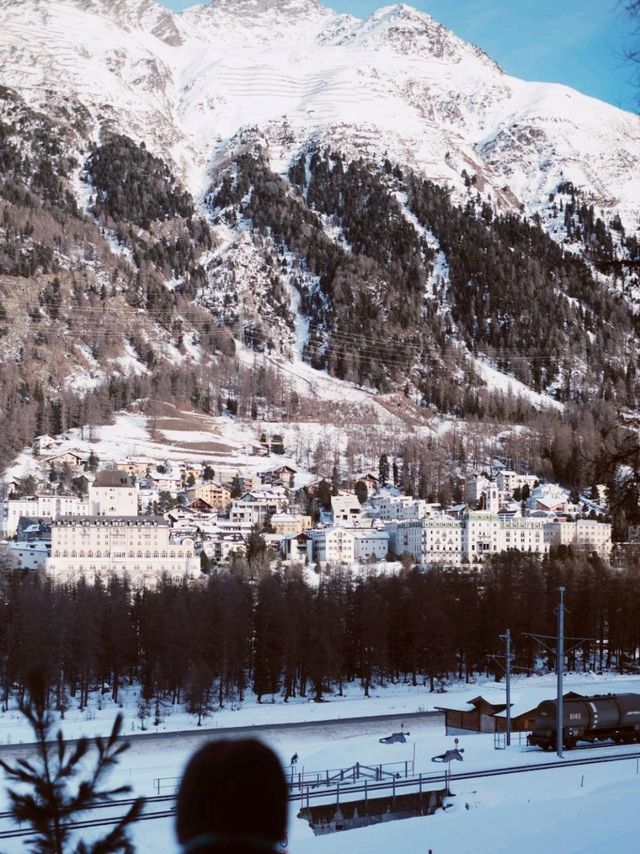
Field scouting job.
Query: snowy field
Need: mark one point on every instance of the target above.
(397, 699)
(224, 442)
(574, 809)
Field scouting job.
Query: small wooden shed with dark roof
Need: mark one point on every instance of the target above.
(487, 712)
(476, 714)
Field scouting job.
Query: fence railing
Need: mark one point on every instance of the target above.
(518, 739)
(316, 779)
(385, 770)
(166, 785)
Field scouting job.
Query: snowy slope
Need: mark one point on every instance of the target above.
(589, 808)
(397, 83)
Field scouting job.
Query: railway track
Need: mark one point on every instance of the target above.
(584, 746)
(420, 782)
(86, 823)
(121, 803)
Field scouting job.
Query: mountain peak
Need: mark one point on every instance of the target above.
(401, 10)
(129, 15)
(410, 31)
(244, 8)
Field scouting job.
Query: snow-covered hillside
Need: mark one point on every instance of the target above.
(362, 202)
(396, 84)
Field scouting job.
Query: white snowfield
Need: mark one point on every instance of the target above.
(575, 809)
(497, 381)
(295, 72)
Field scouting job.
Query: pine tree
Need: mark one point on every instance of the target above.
(383, 469)
(256, 546)
(198, 691)
(361, 491)
(49, 793)
(324, 495)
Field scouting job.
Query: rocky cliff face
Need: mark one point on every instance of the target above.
(376, 197)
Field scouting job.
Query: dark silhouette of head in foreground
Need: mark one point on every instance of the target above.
(232, 798)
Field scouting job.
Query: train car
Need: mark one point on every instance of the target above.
(598, 718)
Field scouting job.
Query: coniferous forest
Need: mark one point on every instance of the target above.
(207, 645)
(401, 289)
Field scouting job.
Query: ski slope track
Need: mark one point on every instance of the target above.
(396, 84)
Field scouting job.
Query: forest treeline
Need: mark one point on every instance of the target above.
(207, 644)
(391, 272)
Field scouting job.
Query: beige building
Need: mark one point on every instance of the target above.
(49, 506)
(286, 475)
(390, 507)
(349, 545)
(587, 534)
(346, 509)
(113, 493)
(140, 547)
(509, 480)
(526, 534)
(285, 523)
(68, 458)
(191, 469)
(222, 547)
(30, 555)
(468, 539)
(256, 507)
(136, 466)
(442, 540)
(216, 494)
(476, 486)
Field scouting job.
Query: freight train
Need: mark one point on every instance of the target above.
(598, 718)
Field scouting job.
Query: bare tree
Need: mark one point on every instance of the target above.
(632, 52)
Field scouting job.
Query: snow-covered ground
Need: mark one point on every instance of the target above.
(575, 809)
(391, 699)
(578, 809)
(135, 434)
(498, 381)
(228, 443)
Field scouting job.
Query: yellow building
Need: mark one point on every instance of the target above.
(213, 492)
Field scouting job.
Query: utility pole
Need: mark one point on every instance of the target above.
(506, 666)
(559, 649)
(560, 672)
(506, 637)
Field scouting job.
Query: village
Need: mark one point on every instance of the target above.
(75, 517)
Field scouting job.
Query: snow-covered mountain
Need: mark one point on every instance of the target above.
(373, 198)
(396, 84)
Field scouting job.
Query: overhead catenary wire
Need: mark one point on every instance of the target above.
(90, 321)
(380, 356)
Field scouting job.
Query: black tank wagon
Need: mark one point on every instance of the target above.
(598, 718)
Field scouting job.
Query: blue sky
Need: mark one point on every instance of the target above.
(577, 42)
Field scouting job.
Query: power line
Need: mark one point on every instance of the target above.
(337, 339)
